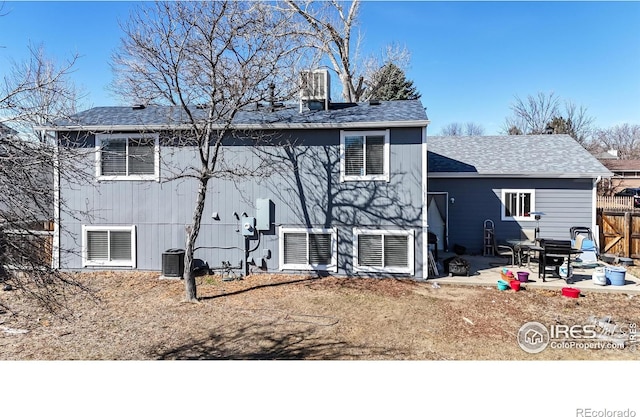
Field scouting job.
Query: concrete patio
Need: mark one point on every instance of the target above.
(485, 271)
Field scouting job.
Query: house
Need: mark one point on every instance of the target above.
(25, 201)
(506, 179)
(626, 174)
(345, 189)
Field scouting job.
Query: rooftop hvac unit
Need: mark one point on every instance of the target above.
(315, 89)
(173, 263)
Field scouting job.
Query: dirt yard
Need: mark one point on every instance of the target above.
(136, 316)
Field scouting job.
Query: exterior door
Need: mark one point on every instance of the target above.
(437, 218)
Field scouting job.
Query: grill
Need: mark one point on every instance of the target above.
(554, 253)
(457, 266)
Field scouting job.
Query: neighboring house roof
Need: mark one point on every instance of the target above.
(511, 156)
(622, 165)
(361, 115)
(6, 130)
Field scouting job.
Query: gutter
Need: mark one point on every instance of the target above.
(517, 175)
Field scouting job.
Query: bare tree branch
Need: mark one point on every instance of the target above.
(36, 92)
(460, 129)
(211, 60)
(330, 26)
(625, 139)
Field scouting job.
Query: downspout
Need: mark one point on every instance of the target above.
(425, 224)
(55, 244)
(594, 220)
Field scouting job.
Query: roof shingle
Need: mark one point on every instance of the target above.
(154, 116)
(531, 155)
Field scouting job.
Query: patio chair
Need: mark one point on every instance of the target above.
(504, 250)
(523, 252)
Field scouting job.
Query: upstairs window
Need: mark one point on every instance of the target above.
(518, 204)
(308, 249)
(364, 156)
(127, 157)
(386, 251)
(109, 246)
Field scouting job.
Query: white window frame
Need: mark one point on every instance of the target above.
(503, 206)
(85, 249)
(386, 153)
(101, 138)
(411, 251)
(332, 267)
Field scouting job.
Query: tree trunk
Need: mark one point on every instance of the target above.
(192, 235)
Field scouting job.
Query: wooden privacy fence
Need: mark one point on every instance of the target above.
(619, 232)
(616, 203)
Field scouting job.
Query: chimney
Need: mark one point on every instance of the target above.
(315, 90)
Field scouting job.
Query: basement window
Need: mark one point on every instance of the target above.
(127, 157)
(364, 155)
(308, 249)
(109, 246)
(383, 251)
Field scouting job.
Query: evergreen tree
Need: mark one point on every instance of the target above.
(390, 83)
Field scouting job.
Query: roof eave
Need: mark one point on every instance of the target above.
(242, 126)
(573, 175)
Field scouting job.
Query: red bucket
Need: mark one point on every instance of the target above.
(515, 285)
(571, 292)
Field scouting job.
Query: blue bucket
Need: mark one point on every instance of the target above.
(615, 275)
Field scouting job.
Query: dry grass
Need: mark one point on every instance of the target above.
(136, 316)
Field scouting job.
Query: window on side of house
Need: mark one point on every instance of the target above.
(364, 155)
(127, 157)
(109, 246)
(518, 204)
(308, 249)
(386, 251)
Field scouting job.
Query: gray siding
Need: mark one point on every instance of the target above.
(303, 185)
(565, 202)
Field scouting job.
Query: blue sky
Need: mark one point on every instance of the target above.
(469, 59)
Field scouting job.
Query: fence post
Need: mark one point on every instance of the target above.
(627, 234)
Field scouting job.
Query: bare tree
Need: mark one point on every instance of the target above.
(211, 60)
(579, 123)
(625, 139)
(32, 93)
(544, 113)
(327, 28)
(38, 92)
(459, 129)
(533, 114)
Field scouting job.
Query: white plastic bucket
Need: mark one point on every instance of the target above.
(599, 277)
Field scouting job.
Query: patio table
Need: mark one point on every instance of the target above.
(523, 248)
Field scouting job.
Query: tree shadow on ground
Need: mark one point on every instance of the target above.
(257, 287)
(260, 341)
